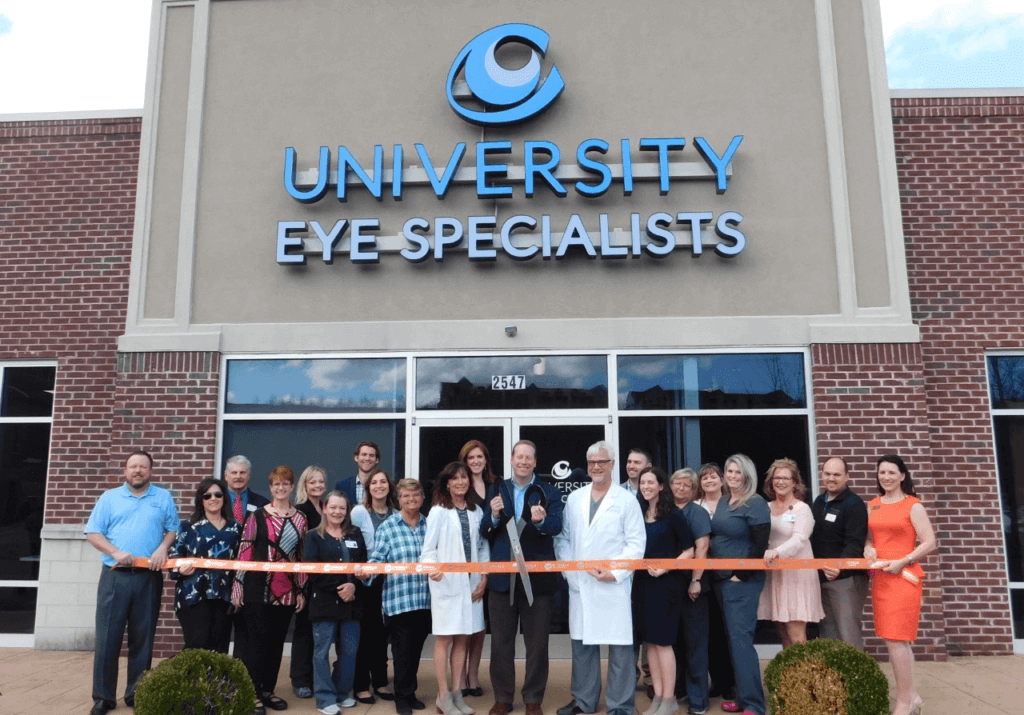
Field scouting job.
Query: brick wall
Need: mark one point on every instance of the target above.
(168, 402)
(67, 208)
(961, 180)
(869, 400)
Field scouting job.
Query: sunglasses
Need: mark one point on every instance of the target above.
(213, 495)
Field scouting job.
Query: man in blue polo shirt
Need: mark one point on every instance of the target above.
(136, 519)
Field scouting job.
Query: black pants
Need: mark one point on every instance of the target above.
(723, 679)
(301, 669)
(206, 624)
(372, 656)
(408, 633)
(260, 631)
(536, 623)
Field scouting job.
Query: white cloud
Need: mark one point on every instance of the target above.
(6, 25)
(896, 14)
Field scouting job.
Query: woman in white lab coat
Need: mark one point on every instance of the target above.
(456, 599)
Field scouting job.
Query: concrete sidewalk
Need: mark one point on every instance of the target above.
(58, 682)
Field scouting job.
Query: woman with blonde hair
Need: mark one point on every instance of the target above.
(790, 598)
(739, 530)
(308, 492)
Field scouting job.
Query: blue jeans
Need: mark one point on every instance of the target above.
(124, 598)
(344, 635)
(739, 611)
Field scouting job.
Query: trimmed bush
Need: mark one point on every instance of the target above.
(826, 677)
(196, 682)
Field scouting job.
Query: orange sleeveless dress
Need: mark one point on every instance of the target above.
(896, 598)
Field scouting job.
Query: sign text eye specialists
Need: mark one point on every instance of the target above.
(521, 237)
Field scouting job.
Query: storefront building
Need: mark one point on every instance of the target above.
(697, 232)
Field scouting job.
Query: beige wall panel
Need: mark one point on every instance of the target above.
(165, 214)
(861, 157)
(320, 72)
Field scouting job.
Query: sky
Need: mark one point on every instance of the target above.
(80, 55)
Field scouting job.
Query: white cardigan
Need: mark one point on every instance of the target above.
(451, 608)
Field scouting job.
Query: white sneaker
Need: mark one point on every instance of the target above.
(348, 702)
(331, 709)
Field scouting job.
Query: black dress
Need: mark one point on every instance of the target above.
(657, 602)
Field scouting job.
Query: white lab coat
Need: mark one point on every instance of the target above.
(600, 613)
(452, 610)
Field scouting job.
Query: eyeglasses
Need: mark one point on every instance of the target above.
(213, 495)
(782, 479)
(598, 462)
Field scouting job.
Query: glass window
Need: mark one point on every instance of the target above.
(712, 382)
(512, 382)
(326, 443)
(17, 609)
(315, 386)
(27, 391)
(24, 450)
(675, 442)
(1009, 434)
(1006, 382)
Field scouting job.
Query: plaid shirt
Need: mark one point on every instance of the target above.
(396, 541)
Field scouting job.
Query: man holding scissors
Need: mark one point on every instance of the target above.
(525, 515)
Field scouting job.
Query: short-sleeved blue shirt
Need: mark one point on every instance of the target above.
(133, 524)
(730, 528)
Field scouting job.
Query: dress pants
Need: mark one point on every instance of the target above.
(372, 658)
(409, 631)
(692, 677)
(259, 642)
(739, 611)
(843, 602)
(344, 636)
(206, 624)
(723, 680)
(586, 678)
(301, 668)
(505, 620)
(124, 598)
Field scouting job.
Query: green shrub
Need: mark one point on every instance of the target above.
(196, 682)
(826, 677)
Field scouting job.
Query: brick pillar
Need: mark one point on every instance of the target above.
(869, 400)
(166, 403)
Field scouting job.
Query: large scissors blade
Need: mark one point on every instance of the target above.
(514, 528)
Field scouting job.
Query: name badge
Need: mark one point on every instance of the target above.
(830, 517)
(789, 517)
(251, 507)
(351, 544)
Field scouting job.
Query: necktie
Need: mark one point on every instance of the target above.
(238, 508)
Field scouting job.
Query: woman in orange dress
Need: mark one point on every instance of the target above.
(899, 534)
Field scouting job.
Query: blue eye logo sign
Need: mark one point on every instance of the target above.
(508, 96)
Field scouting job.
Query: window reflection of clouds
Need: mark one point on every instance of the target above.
(578, 372)
(732, 374)
(370, 384)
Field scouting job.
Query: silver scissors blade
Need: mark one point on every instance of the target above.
(514, 529)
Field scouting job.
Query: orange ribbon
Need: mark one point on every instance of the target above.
(510, 566)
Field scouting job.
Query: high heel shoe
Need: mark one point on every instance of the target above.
(460, 704)
(914, 707)
(446, 705)
(668, 707)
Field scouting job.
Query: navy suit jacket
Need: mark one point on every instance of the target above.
(537, 540)
(348, 485)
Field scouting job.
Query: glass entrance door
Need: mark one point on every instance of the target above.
(561, 457)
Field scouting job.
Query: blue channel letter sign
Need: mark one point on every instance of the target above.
(508, 96)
